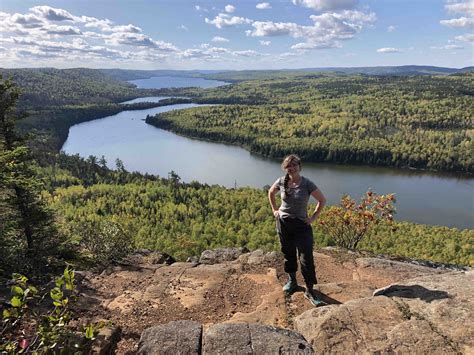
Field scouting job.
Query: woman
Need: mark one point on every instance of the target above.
(294, 225)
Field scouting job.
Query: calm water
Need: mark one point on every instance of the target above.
(421, 197)
(160, 82)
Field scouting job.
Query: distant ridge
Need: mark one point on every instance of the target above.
(238, 75)
(392, 70)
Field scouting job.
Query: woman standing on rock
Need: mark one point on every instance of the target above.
(294, 225)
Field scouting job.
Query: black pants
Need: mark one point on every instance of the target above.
(297, 236)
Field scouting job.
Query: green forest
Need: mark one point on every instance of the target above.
(423, 122)
(185, 219)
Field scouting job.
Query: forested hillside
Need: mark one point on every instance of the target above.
(185, 219)
(404, 70)
(48, 87)
(421, 122)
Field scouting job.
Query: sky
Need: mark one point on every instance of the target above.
(244, 34)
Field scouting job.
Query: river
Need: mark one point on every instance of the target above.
(422, 197)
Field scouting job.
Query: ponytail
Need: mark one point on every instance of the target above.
(285, 183)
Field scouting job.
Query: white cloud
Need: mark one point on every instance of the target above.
(458, 22)
(327, 31)
(463, 8)
(466, 7)
(61, 30)
(47, 35)
(321, 45)
(52, 14)
(128, 28)
(26, 21)
(140, 40)
(388, 50)
(92, 22)
(247, 53)
(194, 53)
(269, 28)
(453, 46)
(468, 37)
(263, 6)
(265, 43)
(229, 9)
(391, 28)
(449, 46)
(77, 48)
(327, 5)
(224, 20)
(219, 39)
(183, 27)
(218, 50)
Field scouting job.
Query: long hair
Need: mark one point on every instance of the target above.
(289, 160)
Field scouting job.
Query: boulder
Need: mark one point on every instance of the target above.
(246, 338)
(427, 314)
(106, 341)
(178, 337)
(221, 255)
(193, 260)
(256, 257)
(145, 256)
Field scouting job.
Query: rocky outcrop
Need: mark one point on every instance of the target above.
(221, 255)
(414, 308)
(431, 314)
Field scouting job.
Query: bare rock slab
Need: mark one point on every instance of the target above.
(178, 337)
(255, 339)
(221, 255)
(430, 314)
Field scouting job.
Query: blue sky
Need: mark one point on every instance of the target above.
(248, 34)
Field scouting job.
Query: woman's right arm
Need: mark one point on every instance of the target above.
(271, 197)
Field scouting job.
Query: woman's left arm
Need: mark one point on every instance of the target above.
(318, 195)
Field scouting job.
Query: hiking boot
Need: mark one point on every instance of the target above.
(290, 286)
(313, 299)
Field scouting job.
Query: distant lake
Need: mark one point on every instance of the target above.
(160, 82)
(423, 197)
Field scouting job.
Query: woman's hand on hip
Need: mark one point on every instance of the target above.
(310, 220)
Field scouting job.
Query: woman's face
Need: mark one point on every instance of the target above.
(293, 168)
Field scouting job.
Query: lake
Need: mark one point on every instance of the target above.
(161, 82)
(422, 197)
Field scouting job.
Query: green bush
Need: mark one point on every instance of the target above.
(103, 240)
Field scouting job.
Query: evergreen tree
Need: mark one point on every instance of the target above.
(26, 225)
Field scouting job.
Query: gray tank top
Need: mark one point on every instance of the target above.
(294, 204)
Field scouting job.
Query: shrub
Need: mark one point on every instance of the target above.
(348, 223)
(104, 240)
